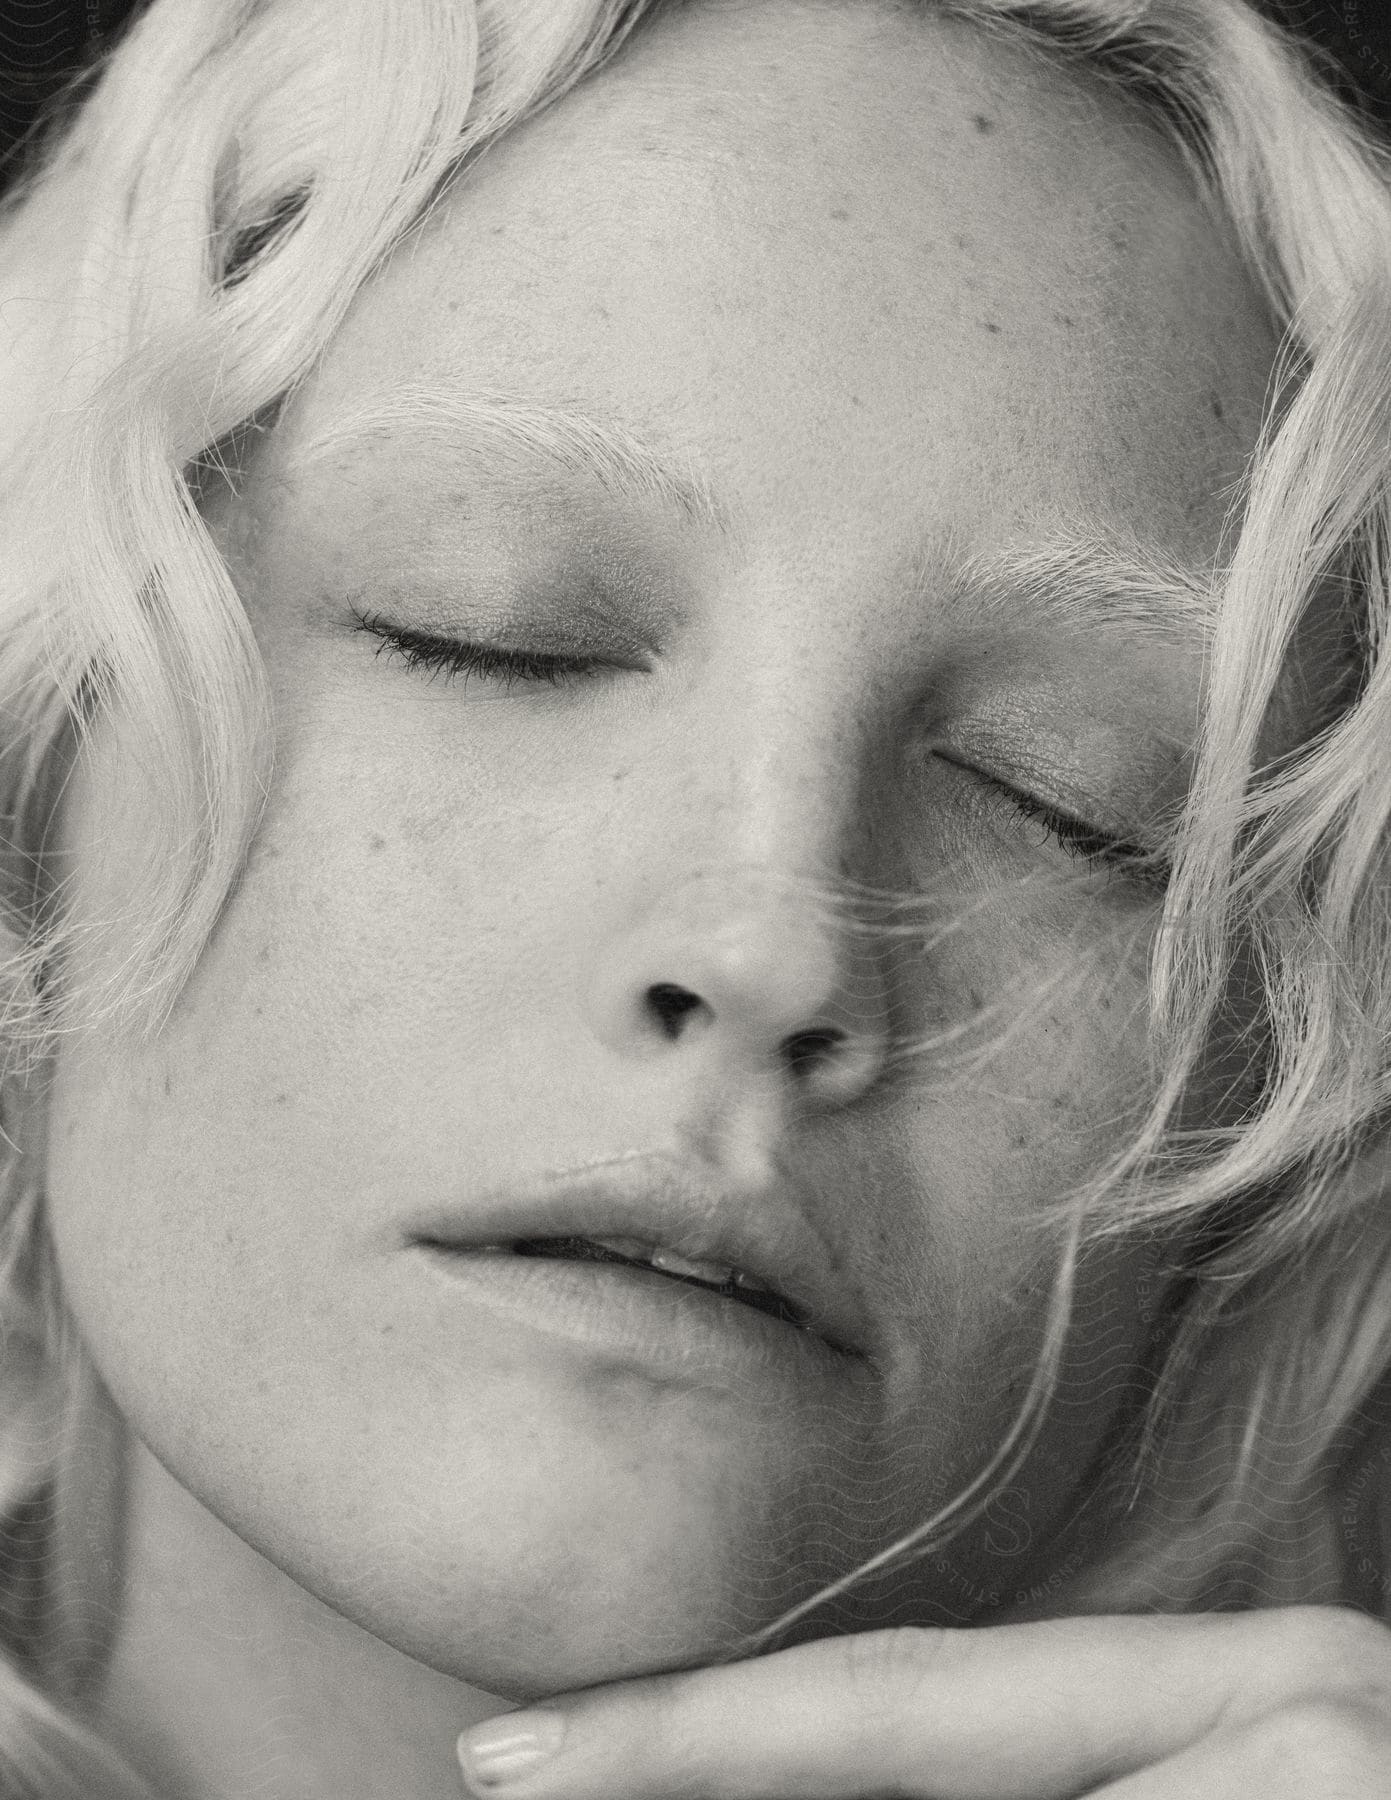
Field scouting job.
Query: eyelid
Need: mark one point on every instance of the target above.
(1103, 847)
(458, 657)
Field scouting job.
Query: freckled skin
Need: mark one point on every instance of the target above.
(455, 895)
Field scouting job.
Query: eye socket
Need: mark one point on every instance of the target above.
(456, 659)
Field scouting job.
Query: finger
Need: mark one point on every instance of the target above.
(1311, 1748)
(1014, 1712)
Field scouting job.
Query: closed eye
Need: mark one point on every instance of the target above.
(1089, 842)
(456, 659)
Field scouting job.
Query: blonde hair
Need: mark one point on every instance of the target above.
(175, 267)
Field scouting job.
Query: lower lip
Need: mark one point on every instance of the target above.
(634, 1318)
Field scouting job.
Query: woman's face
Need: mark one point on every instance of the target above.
(757, 368)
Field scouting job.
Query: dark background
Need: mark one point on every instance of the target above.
(48, 49)
(46, 45)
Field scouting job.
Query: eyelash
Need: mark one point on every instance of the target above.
(456, 659)
(1090, 845)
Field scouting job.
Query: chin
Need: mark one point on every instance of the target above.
(520, 1560)
(568, 1616)
(523, 1659)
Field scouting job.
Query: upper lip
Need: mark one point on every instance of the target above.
(765, 1231)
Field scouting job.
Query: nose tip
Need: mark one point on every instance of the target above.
(740, 968)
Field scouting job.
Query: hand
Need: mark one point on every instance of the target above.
(1293, 1704)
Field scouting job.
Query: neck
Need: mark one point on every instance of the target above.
(225, 1677)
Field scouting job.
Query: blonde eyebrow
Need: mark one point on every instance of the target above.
(1089, 576)
(568, 435)
(1075, 575)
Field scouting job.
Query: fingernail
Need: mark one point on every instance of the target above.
(507, 1749)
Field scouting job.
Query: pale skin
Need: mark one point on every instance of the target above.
(890, 296)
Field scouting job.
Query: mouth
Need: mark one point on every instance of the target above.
(758, 1249)
(721, 1279)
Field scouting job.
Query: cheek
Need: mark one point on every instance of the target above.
(1032, 1066)
(1031, 1055)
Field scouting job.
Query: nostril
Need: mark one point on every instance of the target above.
(806, 1049)
(803, 1052)
(671, 1005)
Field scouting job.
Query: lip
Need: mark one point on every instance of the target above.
(637, 1320)
(763, 1231)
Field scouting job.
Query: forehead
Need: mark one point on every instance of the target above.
(854, 264)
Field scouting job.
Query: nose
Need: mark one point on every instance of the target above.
(758, 969)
